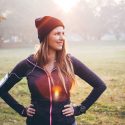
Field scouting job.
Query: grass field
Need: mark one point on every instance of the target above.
(107, 61)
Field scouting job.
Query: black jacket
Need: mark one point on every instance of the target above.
(48, 106)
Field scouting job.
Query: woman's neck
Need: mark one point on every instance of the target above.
(52, 61)
(52, 55)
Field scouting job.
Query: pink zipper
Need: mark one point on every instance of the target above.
(50, 87)
(50, 90)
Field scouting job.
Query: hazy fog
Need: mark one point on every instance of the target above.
(87, 20)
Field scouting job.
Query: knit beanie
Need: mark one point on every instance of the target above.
(46, 24)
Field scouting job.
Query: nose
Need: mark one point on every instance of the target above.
(62, 37)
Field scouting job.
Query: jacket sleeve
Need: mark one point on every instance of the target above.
(9, 81)
(92, 79)
(14, 104)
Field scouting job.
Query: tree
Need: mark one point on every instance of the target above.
(1, 19)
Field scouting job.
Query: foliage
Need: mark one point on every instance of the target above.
(91, 20)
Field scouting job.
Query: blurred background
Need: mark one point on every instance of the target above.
(85, 20)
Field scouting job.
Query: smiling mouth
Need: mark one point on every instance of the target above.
(60, 43)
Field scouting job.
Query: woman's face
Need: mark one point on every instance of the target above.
(56, 39)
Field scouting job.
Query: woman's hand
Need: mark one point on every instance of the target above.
(68, 110)
(30, 110)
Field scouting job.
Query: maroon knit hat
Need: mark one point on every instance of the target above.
(46, 24)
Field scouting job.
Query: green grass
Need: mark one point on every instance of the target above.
(107, 61)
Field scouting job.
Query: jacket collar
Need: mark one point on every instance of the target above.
(31, 60)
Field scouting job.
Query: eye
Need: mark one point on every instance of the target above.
(63, 33)
(58, 33)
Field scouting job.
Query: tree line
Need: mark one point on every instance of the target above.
(91, 20)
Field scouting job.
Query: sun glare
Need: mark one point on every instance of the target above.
(56, 91)
(66, 5)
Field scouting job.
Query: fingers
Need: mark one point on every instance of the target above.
(30, 110)
(68, 110)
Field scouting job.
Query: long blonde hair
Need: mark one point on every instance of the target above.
(63, 61)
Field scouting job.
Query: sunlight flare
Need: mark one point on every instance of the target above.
(66, 5)
(56, 91)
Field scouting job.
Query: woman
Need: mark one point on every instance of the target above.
(50, 74)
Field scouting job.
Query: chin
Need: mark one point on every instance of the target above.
(58, 49)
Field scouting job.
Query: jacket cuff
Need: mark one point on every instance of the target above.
(78, 110)
(24, 112)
